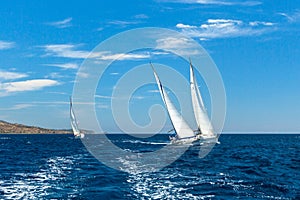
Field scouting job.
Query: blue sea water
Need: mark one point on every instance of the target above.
(60, 167)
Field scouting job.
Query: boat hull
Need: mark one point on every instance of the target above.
(194, 139)
(81, 135)
(189, 140)
(210, 140)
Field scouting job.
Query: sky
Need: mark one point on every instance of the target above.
(254, 44)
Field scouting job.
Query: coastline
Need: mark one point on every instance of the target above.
(15, 128)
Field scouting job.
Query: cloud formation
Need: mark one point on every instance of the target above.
(6, 45)
(141, 16)
(65, 50)
(18, 107)
(183, 46)
(64, 65)
(62, 24)
(123, 56)
(122, 23)
(214, 2)
(226, 28)
(5, 75)
(293, 17)
(28, 85)
(70, 51)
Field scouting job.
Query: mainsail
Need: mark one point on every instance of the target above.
(74, 123)
(203, 122)
(181, 127)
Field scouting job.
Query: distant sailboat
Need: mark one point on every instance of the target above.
(185, 134)
(74, 123)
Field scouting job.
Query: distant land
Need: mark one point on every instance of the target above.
(6, 127)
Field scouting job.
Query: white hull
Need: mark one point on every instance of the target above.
(194, 139)
(189, 140)
(210, 140)
(81, 135)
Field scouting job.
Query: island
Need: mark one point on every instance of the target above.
(6, 127)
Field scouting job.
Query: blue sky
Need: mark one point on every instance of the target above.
(255, 44)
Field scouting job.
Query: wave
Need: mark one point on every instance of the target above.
(5, 138)
(144, 142)
(29, 185)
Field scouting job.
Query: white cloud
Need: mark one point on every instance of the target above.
(123, 56)
(183, 46)
(136, 19)
(103, 106)
(102, 96)
(141, 16)
(28, 85)
(6, 45)
(172, 42)
(153, 91)
(293, 17)
(220, 21)
(61, 24)
(61, 93)
(82, 75)
(215, 2)
(119, 97)
(154, 52)
(18, 107)
(51, 102)
(55, 75)
(5, 75)
(224, 28)
(185, 26)
(64, 65)
(257, 23)
(65, 50)
(137, 97)
(69, 51)
(123, 23)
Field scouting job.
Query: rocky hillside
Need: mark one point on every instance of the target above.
(6, 127)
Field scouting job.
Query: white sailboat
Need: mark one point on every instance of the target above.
(74, 123)
(205, 128)
(185, 134)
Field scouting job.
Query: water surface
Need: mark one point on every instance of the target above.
(241, 167)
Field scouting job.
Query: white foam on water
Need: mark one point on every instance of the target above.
(144, 142)
(5, 138)
(36, 185)
(164, 186)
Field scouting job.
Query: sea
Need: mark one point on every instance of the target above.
(242, 166)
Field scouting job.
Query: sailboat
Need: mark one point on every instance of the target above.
(74, 123)
(184, 133)
(205, 127)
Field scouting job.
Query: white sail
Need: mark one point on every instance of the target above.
(203, 122)
(181, 127)
(74, 123)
